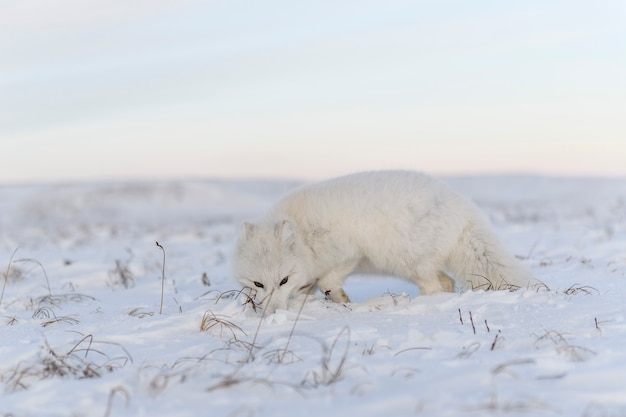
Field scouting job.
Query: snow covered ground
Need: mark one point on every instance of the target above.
(81, 333)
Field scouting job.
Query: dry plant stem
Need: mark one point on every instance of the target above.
(42, 268)
(293, 328)
(6, 276)
(112, 393)
(410, 349)
(90, 337)
(162, 278)
(210, 320)
(495, 341)
(258, 328)
(333, 376)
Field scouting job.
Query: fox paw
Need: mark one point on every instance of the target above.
(338, 296)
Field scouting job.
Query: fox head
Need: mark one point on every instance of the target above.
(267, 260)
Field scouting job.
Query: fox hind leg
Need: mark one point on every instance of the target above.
(447, 283)
(431, 281)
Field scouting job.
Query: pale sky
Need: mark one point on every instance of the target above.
(108, 89)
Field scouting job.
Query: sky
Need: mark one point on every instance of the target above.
(118, 89)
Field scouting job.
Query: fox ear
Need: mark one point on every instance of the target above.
(247, 231)
(286, 233)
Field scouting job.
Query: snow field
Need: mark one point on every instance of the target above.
(94, 343)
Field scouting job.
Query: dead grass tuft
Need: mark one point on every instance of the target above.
(332, 364)
(562, 346)
(246, 295)
(491, 286)
(121, 275)
(137, 312)
(211, 321)
(57, 320)
(71, 364)
(575, 289)
(55, 300)
(7, 274)
(505, 286)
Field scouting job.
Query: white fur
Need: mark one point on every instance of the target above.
(398, 223)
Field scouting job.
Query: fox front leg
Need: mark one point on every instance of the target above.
(331, 284)
(337, 295)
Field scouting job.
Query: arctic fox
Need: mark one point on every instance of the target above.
(399, 223)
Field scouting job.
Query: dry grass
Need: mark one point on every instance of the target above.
(281, 356)
(575, 289)
(61, 319)
(137, 312)
(56, 300)
(45, 274)
(246, 293)
(121, 275)
(491, 286)
(562, 346)
(7, 274)
(81, 361)
(162, 278)
(503, 285)
(211, 321)
(332, 363)
(119, 391)
(249, 361)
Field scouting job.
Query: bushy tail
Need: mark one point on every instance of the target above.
(479, 261)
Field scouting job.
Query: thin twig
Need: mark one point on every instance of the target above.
(121, 390)
(293, 328)
(42, 268)
(258, 328)
(495, 341)
(411, 348)
(162, 278)
(6, 276)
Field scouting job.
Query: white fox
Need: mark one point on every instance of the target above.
(399, 223)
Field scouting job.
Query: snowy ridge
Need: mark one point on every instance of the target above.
(94, 343)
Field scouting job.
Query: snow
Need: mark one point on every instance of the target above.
(94, 343)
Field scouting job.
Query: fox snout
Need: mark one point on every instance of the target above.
(272, 302)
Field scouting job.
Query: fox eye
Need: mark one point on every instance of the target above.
(284, 281)
(258, 284)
